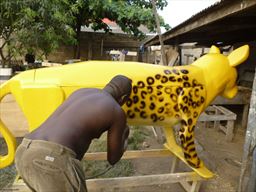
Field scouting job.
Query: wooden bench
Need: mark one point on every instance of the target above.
(218, 114)
(190, 181)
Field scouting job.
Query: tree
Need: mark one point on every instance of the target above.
(128, 14)
(44, 25)
(8, 19)
(34, 26)
(40, 26)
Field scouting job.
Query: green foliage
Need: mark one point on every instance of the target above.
(8, 19)
(40, 26)
(44, 25)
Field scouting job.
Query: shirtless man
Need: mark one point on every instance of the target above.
(48, 158)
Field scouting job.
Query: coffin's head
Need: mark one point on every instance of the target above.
(235, 58)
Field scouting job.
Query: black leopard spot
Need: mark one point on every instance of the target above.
(190, 144)
(152, 106)
(184, 71)
(143, 93)
(193, 149)
(197, 92)
(172, 79)
(135, 89)
(149, 89)
(174, 98)
(195, 114)
(191, 129)
(185, 77)
(153, 98)
(164, 79)
(130, 114)
(157, 76)
(153, 117)
(185, 99)
(185, 109)
(198, 103)
(161, 99)
(189, 138)
(187, 156)
(179, 80)
(194, 82)
(159, 86)
(177, 116)
(143, 114)
(161, 118)
(135, 99)
(182, 138)
(194, 105)
(179, 90)
(142, 104)
(202, 100)
(141, 84)
(183, 122)
(190, 121)
(150, 80)
(167, 72)
(136, 109)
(129, 102)
(175, 71)
(160, 110)
(168, 90)
(159, 92)
(176, 108)
(186, 84)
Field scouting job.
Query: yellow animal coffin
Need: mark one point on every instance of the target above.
(161, 95)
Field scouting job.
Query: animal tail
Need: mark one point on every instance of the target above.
(10, 140)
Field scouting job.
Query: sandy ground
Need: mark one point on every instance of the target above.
(221, 157)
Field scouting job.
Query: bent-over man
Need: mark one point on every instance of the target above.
(48, 159)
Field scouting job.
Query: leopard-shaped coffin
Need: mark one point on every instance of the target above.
(161, 95)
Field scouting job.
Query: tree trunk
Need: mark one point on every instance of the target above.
(78, 38)
(163, 57)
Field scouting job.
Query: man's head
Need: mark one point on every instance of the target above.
(120, 88)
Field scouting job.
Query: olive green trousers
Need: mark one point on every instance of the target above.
(49, 167)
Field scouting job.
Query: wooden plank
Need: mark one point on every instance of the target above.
(124, 182)
(137, 181)
(216, 117)
(18, 133)
(131, 154)
(230, 131)
(250, 139)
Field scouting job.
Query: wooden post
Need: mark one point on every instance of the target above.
(163, 58)
(250, 137)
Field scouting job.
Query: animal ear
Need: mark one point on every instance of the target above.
(214, 49)
(238, 56)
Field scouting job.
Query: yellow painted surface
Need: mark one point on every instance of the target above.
(161, 94)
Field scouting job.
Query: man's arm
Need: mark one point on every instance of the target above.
(117, 138)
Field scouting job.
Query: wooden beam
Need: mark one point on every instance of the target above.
(124, 182)
(137, 181)
(209, 16)
(131, 154)
(250, 138)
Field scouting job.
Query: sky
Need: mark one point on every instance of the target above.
(178, 11)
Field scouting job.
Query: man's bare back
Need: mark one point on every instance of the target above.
(84, 116)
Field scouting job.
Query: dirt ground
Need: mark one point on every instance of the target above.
(221, 157)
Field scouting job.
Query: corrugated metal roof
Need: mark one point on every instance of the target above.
(226, 20)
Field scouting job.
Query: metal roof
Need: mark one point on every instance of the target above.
(226, 22)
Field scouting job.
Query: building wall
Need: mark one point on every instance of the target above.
(96, 46)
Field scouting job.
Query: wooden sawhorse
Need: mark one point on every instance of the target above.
(190, 181)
